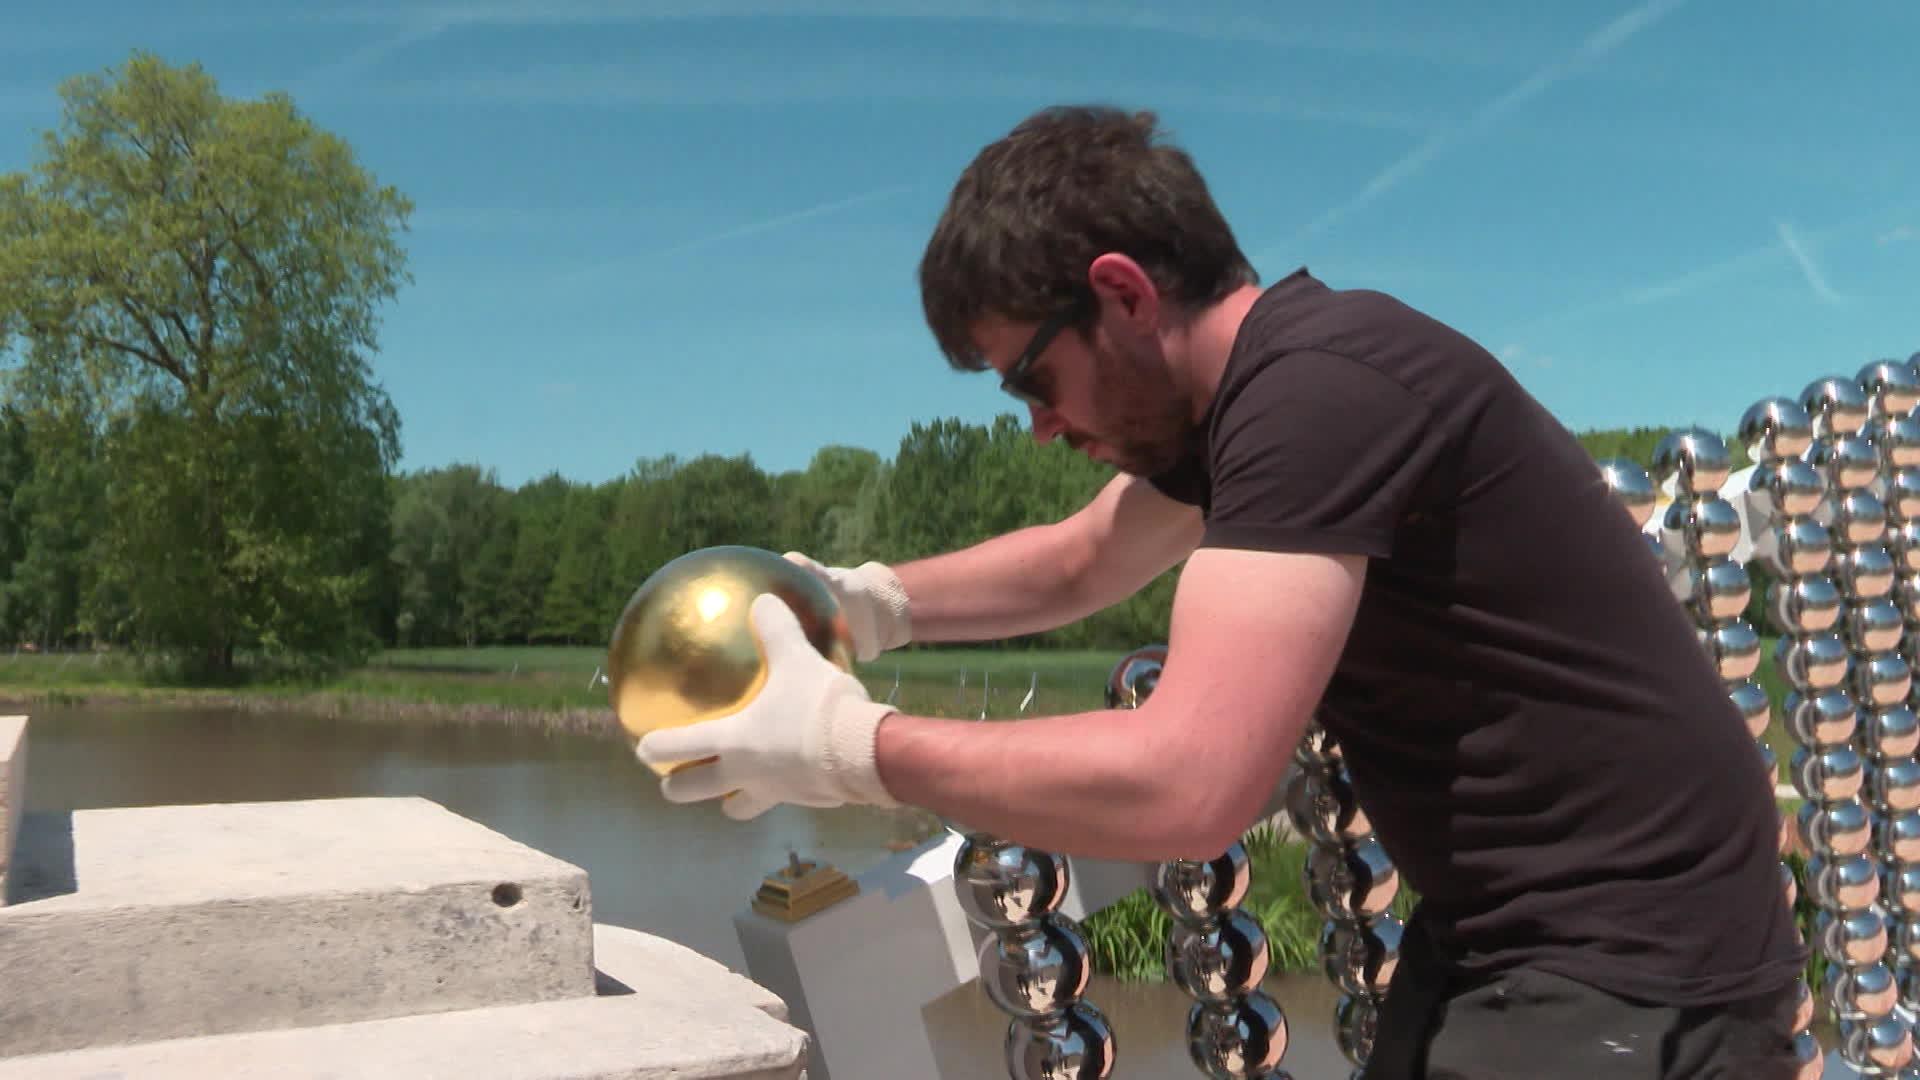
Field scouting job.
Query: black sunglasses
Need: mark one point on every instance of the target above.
(1018, 380)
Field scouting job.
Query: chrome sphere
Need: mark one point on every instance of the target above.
(1836, 405)
(1750, 701)
(1906, 595)
(1356, 1019)
(1219, 960)
(1859, 517)
(1891, 387)
(1823, 721)
(1325, 808)
(1903, 543)
(1875, 626)
(1696, 460)
(1360, 958)
(1808, 606)
(1881, 1043)
(1844, 881)
(1800, 547)
(1134, 678)
(1857, 939)
(1191, 891)
(1903, 492)
(1735, 649)
(1792, 486)
(1818, 663)
(1882, 681)
(1242, 1040)
(683, 650)
(1866, 993)
(1631, 486)
(1350, 882)
(1864, 573)
(1847, 461)
(1902, 891)
(1003, 885)
(1035, 973)
(1721, 591)
(1076, 1046)
(1898, 836)
(1828, 775)
(1704, 526)
(1775, 428)
(1894, 787)
(1841, 829)
(1317, 748)
(1892, 732)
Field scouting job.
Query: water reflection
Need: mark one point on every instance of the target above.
(679, 872)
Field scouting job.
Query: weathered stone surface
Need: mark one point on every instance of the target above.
(13, 789)
(664, 1013)
(133, 924)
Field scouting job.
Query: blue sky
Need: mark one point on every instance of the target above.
(687, 227)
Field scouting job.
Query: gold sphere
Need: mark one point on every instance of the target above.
(684, 650)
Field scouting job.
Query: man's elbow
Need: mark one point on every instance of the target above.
(1197, 816)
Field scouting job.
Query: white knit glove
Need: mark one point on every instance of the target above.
(875, 602)
(806, 738)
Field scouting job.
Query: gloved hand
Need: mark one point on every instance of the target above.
(806, 738)
(875, 602)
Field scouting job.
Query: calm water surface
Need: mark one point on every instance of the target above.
(674, 871)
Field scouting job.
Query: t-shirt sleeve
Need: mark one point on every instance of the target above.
(1317, 453)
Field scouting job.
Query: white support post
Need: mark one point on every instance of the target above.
(859, 976)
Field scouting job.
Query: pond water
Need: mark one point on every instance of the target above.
(675, 871)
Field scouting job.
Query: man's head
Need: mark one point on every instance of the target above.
(1072, 257)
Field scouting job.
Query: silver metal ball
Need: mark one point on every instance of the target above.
(1631, 487)
(1719, 592)
(1863, 574)
(1750, 701)
(1076, 1046)
(1793, 487)
(1806, 1050)
(1875, 626)
(1191, 891)
(1906, 595)
(1894, 787)
(1800, 547)
(1816, 663)
(1903, 543)
(1847, 462)
(1883, 1043)
(1897, 836)
(1350, 882)
(1901, 891)
(1898, 440)
(1839, 830)
(1003, 885)
(1903, 492)
(1356, 1019)
(1704, 526)
(1789, 885)
(1317, 748)
(1035, 973)
(1821, 721)
(1805, 607)
(1734, 648)
(1843, 881)
(1881, 681)
(1218, 961)
(1890, 386)
(1859, 517)
(1360, 958)
(1328, 811)
(1696, 460)
(1244, 1040)
(1864, 993)
(1903, 938)
(1135, 676)
(1827, 776)
(1836, 405)
(1856, 938)
(1774, 428)
(1892, 733)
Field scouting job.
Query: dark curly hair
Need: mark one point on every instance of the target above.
(1033, 210)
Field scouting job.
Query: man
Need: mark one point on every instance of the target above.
(1376, 521)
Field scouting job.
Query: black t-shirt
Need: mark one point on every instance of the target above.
(1536, 733)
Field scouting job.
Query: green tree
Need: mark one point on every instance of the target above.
(207, 272)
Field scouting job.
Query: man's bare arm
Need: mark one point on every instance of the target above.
(1255, 637)
(1047, 576)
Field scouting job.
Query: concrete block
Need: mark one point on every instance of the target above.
(134, 924)
(664, 1013)
(13, 790)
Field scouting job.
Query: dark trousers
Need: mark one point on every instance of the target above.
(1529, 1024)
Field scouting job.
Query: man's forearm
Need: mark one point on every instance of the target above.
(1102, 785)
(1024, 582)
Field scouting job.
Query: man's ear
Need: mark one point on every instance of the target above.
(1124, 287)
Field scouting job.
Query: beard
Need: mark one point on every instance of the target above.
(1146, 425)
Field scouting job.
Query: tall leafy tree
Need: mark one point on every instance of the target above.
(208, 272)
